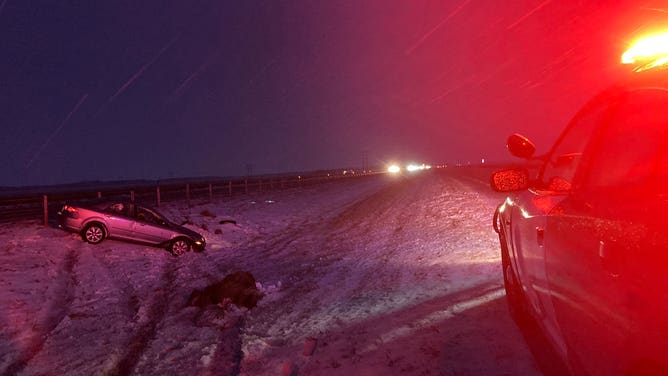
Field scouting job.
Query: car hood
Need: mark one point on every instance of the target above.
(186, 231)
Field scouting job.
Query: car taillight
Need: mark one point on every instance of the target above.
(69, 210)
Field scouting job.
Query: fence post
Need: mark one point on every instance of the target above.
(246, 185)
(229, 188)
(46, 210)
(188, 195)
(132, 196)
(99, 195)
(271, 184)
(260, 185)
(210, 193)
(157, 194)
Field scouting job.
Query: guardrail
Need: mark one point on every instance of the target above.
(33, 206)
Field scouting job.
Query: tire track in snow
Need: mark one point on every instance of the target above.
(123, 284)
(156, 313)
(335, 257)
(58, 308)
(298, 237)
(376, 232)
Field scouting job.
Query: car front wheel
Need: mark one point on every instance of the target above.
(512, 286)
(179, 246)
(93, 233)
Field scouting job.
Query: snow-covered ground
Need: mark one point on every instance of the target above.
(373, 276)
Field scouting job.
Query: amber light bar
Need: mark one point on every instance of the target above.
(648, 52)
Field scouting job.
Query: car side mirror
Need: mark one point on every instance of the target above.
(515, 179)
(521, 146)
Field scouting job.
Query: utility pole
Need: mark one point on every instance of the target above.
(365, 160)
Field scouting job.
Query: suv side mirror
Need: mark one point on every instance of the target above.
(515, 179)
(521, 146)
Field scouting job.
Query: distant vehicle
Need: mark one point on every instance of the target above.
(584, 246)
(127, 221)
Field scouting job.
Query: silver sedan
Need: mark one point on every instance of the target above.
(130, 222)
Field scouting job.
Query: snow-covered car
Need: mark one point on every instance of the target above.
(130, 222)
(584, 244)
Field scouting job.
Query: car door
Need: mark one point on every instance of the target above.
(647, 270)
(593, 237)
(119, 219)
(150, 228)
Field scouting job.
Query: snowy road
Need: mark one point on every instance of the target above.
(374, 276)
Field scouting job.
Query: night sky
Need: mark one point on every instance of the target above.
(108, 90)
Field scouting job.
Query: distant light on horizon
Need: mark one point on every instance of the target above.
(394, 169)
(415, 167)
(412, 167)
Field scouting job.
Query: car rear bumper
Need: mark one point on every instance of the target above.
(68, 223)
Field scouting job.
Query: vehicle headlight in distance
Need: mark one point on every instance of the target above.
(394, 169)
(412, 167)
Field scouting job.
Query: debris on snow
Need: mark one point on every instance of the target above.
(207, 213)
(238, 288)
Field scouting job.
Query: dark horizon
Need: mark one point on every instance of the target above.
(162, 90)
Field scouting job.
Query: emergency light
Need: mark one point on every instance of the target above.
(648, 52)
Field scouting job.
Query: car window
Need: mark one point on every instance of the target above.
(559, 171)
(125, 210)
(114, 208)
(628, 148)
(146, 216)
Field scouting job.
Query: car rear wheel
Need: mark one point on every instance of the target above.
(180, 246)
(93, 233)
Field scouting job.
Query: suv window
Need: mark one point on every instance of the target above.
(627, 152)
(559, 171)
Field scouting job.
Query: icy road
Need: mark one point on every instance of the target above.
(372, 276)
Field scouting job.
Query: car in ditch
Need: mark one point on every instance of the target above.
(129, 222)
(584, 244)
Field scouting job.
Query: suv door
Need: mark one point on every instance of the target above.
(530, 209)
(595, 235)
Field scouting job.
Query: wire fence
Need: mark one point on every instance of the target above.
(44, 206)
